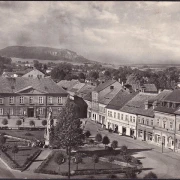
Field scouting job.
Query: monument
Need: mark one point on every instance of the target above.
(48, 128)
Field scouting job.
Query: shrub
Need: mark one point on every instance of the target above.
(31, 123)
(18, 123)
(4, 121)
(105, 140)
(112, 176)
(114, 144)
(91, 141)
(44, 122)
(87, 134)
(150, 175)
(124, 149)
(98, 137)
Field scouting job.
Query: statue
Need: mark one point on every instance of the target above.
(48, 128)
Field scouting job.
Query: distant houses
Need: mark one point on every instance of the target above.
(34, 74)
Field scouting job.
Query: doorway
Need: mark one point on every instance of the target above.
(144, 135)
(124, 131)
(30, 112)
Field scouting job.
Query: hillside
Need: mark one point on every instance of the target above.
(43, 53)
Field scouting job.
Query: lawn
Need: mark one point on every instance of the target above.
(86, 165)
(31, 135)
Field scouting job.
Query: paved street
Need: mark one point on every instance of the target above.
(165, 165)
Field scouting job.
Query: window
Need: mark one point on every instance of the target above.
(59, 100)
(164, 124)
(30, 100)
(157, 122)
(147, 121)
(1, 100)
(133, 119)
(1, 111)
(11, 100)
(179, 127)
(59, 109)
(21, 100)
(126, 117)
(40, 100)
(118, 115)
(122, 116)
(142, 120)
(139, 120)
(40, 111)
(50, 100)
(11, 111)
(151, 122)
(149, 136)
(171, 125)
(21, 111)
(114, 115)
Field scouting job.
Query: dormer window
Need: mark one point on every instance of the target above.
(111, 87)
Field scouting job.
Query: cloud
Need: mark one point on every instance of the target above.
(112, 31)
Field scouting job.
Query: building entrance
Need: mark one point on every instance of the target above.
(30, 112)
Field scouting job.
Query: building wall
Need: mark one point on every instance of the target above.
(102, 114)
(164, 133)
(18, 109)
(125, 122)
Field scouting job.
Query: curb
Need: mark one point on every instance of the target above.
(9, 168)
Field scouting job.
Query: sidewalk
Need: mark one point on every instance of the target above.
(44, 154)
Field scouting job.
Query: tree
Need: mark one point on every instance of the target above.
(59, 159)
(18, 123)
(32, 123)
(150, 175)
(124, 149)
(2, 140)
(15, 150)
(111, 159)
(78, 159)
(98, 137)
(68, 133)
(44, 122)
(93, 75)
(105, 140)
(95, 159)
(114, 144)
(82, 76)
(5, 121)
(87, 134)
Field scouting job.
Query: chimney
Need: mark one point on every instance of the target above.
(119, 80)
(111, 87)
(160, 90)
(122, 83)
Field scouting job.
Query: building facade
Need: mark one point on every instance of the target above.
(34, 74)
(24, 97)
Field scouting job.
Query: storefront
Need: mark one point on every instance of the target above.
(145, 133)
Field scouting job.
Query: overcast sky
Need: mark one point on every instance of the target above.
(119, 32)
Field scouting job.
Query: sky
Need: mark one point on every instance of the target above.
(106, 31)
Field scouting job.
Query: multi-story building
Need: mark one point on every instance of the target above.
(166, 122)
(116, 118)
(146, 124)
(101, 96)
(30, 97)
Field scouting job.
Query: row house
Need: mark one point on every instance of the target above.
(117, 120)
(30, 97)
(167, 121)
(146, 119)
(98, 99)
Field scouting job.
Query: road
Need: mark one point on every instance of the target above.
(165, 165)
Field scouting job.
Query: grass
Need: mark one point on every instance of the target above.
(86, 165)
(39, 134)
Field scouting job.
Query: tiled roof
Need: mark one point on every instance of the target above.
(150, 88)
(120, 99)
(105, 99)
(85, 90)
(67, 84)
(45, 85)
(174, 96)
(77, 87)
(165, 109)
(88, 97)
(102, 86)
(136, 105)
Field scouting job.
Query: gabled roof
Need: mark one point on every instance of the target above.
(77, 87)
(120, 99)
(85, 90)
(150, 87)
(104, 85)
(174, 96)
(33, 71)
(88, 96)
(46, 85)
(137, 105)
